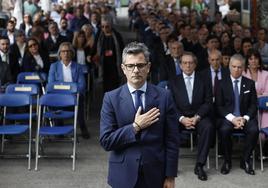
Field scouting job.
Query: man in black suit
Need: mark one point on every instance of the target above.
(7, 57)
(212, 42)
(194, 102)
(214, 73)
(55, 38)
(170, 68)
(237, 106)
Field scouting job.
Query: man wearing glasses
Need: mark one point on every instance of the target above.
(138, 126)
(194, 102)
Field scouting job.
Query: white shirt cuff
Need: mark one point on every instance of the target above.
(230, 117)
(181, 118)
(246, 117)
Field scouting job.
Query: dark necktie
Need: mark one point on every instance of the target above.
(138, 101)
(237, 99)
(216, 82)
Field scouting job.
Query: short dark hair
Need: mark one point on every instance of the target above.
(210, 37)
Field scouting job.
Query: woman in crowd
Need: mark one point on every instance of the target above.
(254, 70)
(82, 51)
(88, 29)
(33, 59)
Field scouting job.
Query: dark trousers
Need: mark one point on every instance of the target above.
(205, 131)
(251, 132)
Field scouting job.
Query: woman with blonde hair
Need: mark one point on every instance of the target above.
(89, 32)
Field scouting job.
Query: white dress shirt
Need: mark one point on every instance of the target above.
(39, 60)
(231, 116)
(67, 72)
(185, 77)
(81, 57)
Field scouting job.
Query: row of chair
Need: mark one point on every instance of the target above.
(50, 106)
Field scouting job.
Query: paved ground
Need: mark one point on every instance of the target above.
(91, 171)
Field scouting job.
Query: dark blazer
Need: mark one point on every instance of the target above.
(14, 66)
(5, 74)
(206, 76)
(201, 98)
(53, 47)
(29, 64)
(157, 147)
(167, 69)
(248, 98)
(56, 75)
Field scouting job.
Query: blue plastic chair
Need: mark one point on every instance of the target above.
(13, 101)
(262, 106)
(30, 89)
(61, 88)
(53, 100)
(32, 78)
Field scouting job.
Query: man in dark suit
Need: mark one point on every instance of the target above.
(7, 57)
(212, 42)
(66, 70)
(237, 106)
(138, 126)
(171, 68)
(214, 73)
(55, 38)
(194, 102)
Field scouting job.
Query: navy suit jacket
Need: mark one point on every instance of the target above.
(248, 98)
(157, 147)
(56, 75)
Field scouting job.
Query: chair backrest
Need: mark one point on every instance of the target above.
(31, 78)
(14, 100)
(30, 89)
(62, 87)
(58, 100)
(263, 103)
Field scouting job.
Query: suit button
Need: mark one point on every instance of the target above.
(137, 160)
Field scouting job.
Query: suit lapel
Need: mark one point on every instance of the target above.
(242, 89)
(127, 101)
(151, 101)
(74, 71)
(182, 88)
(59, 71)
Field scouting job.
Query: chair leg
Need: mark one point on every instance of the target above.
(253, 159)
(36, 151)
(208, 165)
(216, 152)
(2, 144)
(74, 151)
(192, 141)
(29, 152)
(261, 152)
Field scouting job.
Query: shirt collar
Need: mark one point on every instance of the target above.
(142, 88)
(213, 70)
(69, 65)
(233, 79)
(185, 76)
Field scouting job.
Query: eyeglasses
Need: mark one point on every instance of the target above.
(131, 67)
(31, 45)
(105, 26)
(66, 51)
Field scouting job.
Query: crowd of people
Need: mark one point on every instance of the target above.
(213, 67)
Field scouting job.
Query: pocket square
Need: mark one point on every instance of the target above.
(246, 91)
